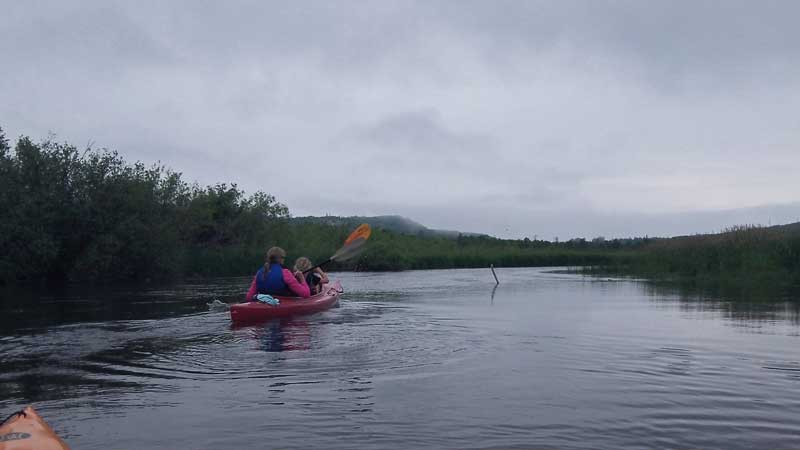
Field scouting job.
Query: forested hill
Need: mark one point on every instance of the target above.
(393, 223)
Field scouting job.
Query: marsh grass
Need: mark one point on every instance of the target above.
(738, 258)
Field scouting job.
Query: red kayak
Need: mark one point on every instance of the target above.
(250, 312)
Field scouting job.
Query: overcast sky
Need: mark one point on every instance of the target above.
(517, 119)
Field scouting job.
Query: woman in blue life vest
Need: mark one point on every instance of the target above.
(275, 279)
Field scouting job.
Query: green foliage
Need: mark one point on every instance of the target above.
(70, 215)
(89, 215)
(745, 255)
(393, 251)
(76, 216)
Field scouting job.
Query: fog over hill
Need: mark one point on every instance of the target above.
(395, 223)
(608, 224)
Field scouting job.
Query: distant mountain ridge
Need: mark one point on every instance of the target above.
(395, 223)
(404, 225)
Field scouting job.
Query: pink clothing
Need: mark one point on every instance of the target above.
(299, 289)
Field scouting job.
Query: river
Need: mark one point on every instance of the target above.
(418, 359)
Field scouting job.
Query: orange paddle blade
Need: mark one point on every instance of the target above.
(350, 250)
(363, 231)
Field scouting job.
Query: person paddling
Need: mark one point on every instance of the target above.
(275, 279)
(315, 277)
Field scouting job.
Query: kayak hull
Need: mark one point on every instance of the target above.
(27, 431)
(253, 312)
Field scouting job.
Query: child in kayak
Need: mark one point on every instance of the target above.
(314, 279)
(275, 279)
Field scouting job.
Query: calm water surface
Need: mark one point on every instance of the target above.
(429, 359)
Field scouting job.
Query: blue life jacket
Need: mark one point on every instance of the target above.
(271, 283)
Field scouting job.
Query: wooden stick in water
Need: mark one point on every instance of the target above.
(495, 275)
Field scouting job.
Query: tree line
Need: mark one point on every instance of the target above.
(88, 215)
(71, 215)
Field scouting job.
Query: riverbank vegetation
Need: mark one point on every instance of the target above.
(739, 256)
(88, 215)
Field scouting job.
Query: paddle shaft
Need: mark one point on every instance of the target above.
(323, 263)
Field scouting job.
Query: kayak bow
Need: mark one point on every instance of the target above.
(25, 430)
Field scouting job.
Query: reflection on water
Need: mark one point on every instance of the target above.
(284, 335)
(750, 305)
(436, 359)
(38, 308)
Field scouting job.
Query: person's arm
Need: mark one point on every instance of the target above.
(323, 276)
(297, 287)
(252, 291)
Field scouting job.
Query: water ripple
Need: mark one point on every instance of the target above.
(415, 359)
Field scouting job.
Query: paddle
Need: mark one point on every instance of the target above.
(353, 245)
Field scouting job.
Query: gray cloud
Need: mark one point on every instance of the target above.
(510, 117)
(422, 131)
